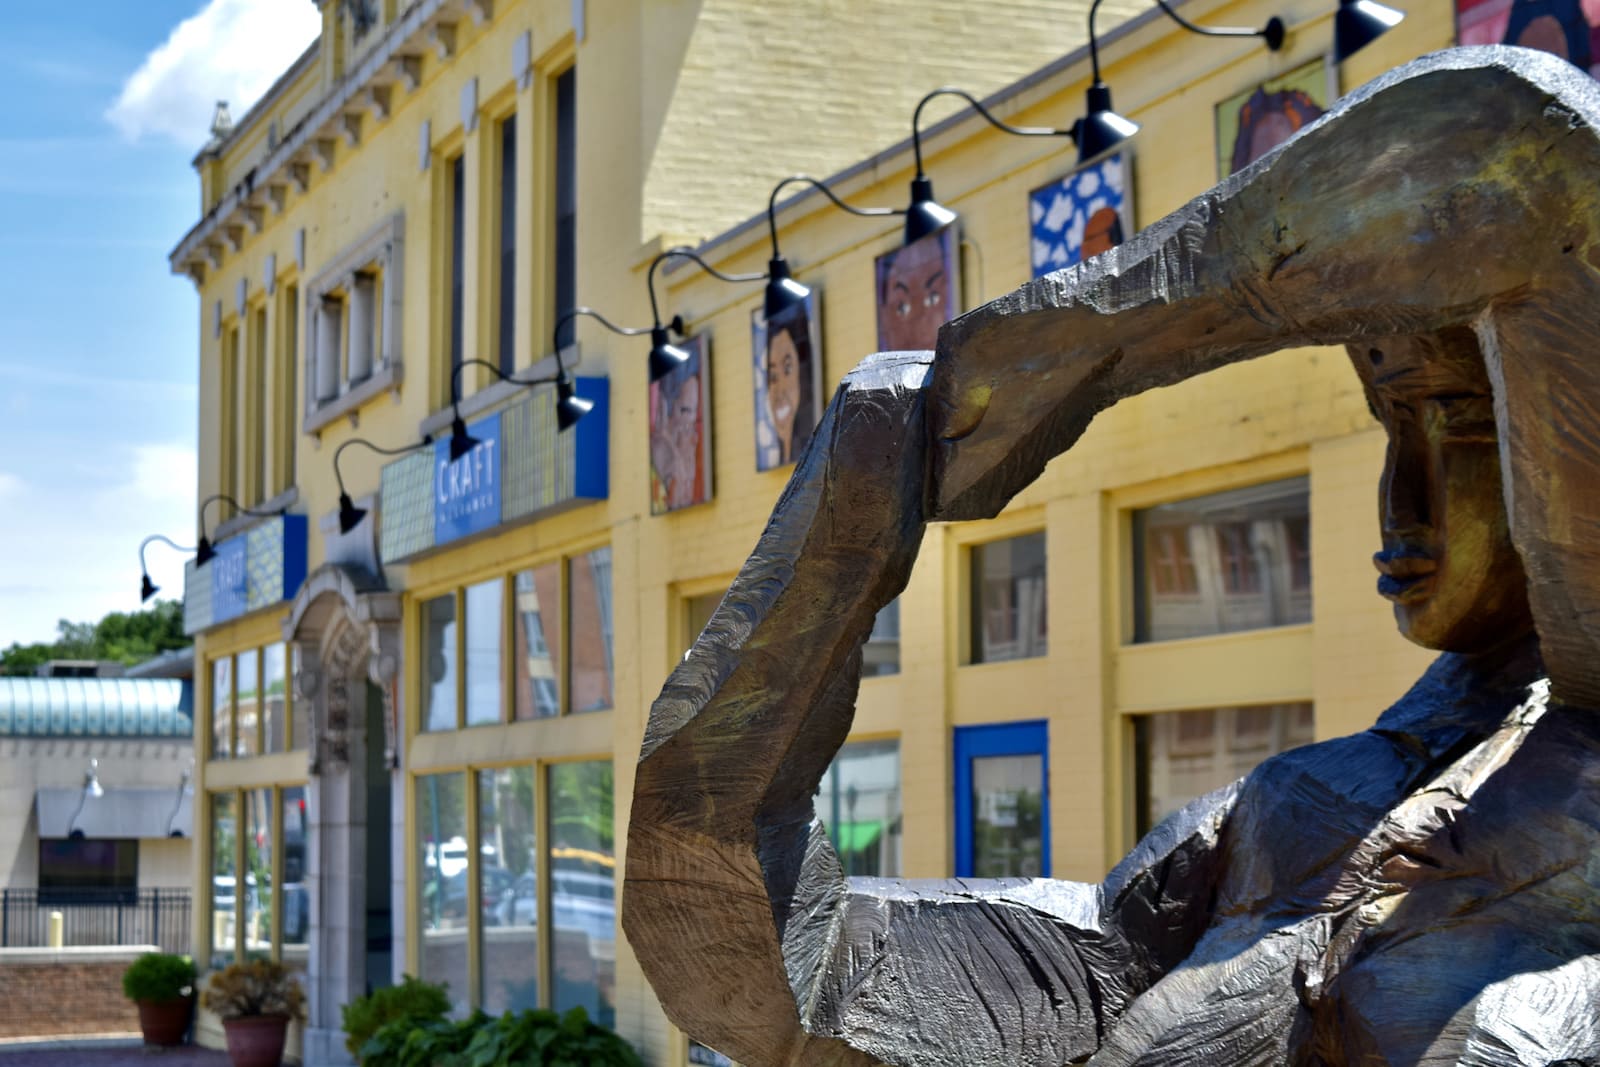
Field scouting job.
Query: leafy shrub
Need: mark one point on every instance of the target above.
(159, 976)
(411, 999)
(525, 1039)
(255, 987)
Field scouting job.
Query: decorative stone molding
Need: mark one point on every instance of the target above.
(443, 38)
(425, 144)
(300, 176)
(522, 60)
(379, 100)
(356, 296)
(324, 148)
(482, 11)
(469, 105)
(410, 72)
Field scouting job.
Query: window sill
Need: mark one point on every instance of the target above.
(238, 524)
(381, 381)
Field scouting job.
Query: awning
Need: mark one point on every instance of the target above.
(125, 813)
(856, 836)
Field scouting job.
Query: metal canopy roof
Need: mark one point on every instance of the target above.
(96, 707)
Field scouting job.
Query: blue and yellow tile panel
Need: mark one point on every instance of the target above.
(523, 467)
(256, 569)
(96, 707)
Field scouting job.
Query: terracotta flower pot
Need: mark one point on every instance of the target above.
(164, 1022)
(256, 1040)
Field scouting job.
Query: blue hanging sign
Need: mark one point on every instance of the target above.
(466, 492)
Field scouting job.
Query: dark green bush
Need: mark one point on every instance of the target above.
(411, 999)
(159, 976)
(525, 1039)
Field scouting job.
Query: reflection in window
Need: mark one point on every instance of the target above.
(483, 652)
(859, 803)
(592, 630)
(1008, 816)
(583, 909)
(439, 663)
(247, 705)
(257, 895)
(1008, 599)
(1239, 560)
(508, 853)
(274, 696)
(79, 870)
(444, 897)
(881, 655)
(299, 710)
(224, 889)
(295, 929)
(221, 707)
(1180, 755)
(536, 618)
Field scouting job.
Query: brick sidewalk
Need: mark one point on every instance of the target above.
(105, 1054)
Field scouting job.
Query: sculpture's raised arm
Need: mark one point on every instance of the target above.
(1457, 190)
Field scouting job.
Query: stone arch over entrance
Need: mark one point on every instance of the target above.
(346, 633)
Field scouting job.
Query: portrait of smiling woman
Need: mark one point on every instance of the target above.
(788, 380)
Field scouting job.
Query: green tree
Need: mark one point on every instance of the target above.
(126, 637)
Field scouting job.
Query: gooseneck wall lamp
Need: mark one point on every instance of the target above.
(350, 516)
(147, 588)
(925, 215)
(665, 356)
(1360, 22)
(92, 790)
(203, 552)
(570, 407)
(782, 290)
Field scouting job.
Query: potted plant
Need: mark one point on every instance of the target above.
(255, 1001)
(163, 986)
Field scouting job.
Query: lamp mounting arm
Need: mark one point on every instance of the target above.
(950, 90)
(364, 443)
(685, 252)
(806, 179)
(164, 539)
(238, 508)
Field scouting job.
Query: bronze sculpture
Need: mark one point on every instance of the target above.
(1441, 903)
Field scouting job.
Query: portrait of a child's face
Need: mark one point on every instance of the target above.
(787, 371)
(680, 447)
(917, 291)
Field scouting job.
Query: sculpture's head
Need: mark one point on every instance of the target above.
(1447, 562)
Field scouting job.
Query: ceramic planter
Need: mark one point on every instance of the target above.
(164, 1022)
(256, 1040)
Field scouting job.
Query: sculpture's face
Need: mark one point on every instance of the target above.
(1447, 563)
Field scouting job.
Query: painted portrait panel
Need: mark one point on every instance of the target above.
(1254, 122)
(787, 360)
(1080, 215)
(1567, 28)
(918, 290)
(680, 432)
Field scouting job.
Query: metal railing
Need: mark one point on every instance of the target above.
(157, 917)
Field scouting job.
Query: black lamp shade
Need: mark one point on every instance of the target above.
(665, 357)
(350, 516)
(147, 588)
(1102, 129)
(925, 215)
(570, 407)
(1360, 22)
(203, 552)
(783, 292)
(461, 442)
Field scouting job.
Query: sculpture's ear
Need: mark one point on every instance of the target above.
(1415, 204)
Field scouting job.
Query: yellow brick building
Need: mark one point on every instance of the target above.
(416, 737)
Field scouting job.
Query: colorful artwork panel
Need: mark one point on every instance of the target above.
(918, 290)
(1254, 122)
(1567, 28)
(1080, 215)
(680, 432)
(787, 361)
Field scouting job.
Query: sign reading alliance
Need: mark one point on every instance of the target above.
(466, 492)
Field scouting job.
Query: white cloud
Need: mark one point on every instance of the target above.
(10, 485)
(231, 50)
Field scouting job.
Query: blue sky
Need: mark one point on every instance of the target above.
(102, 107)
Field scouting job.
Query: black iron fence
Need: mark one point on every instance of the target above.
(157, 917)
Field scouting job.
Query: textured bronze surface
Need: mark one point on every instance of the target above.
(1424, 892)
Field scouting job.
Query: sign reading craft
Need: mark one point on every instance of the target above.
(263, 566)
(522, 467)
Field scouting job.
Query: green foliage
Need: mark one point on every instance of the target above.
(127, 637)
(412, 999)
(159, 976)
(254, 987)
(525, 1039)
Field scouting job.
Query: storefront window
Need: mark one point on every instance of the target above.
(444, 889)
(221, 707)
(697, 613)
(274, 700)
(536, 630)
(1008, 599)
(295, 929)
(1239, 560)
(508, 858)
(483, 606)
(1181, 755)
(859, 803)
(583, 910)
(439, 663)
(1008, 816)
(881, 655)
(591, 671)
(257, 896)
(247, 705)
(224, 880)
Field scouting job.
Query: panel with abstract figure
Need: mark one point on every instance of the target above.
(1080, 215)
(680, 433)
(787, 358)
(1567, 28)
(1254, 122)
(918, 290)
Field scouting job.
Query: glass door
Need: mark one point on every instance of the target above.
(1002, 801)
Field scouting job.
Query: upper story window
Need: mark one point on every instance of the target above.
(456, 196)
(506, 296)
(1008, 618)
(354, 309)
(558, 619)
(565, 184)
(1237, 560)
